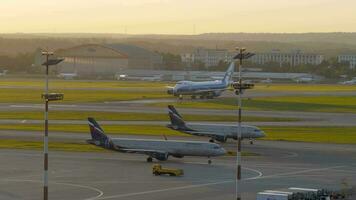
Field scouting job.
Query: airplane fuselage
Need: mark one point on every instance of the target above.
(198, 88)
(222, 131)
(172, 147)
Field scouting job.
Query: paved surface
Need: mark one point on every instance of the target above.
(127, 176)
(308, 118)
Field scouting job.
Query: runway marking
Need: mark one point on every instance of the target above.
(182, 187)
(100, 193)
(300, 172)
(291, 155)
(26, 106)
(165, 190)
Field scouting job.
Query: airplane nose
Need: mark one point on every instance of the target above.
(262, 134)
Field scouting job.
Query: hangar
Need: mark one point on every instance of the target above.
(91, 59)
(105, 60)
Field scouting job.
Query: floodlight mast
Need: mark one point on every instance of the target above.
(47, 97)
(239, 87)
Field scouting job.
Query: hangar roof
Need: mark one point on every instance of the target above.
(133, 51)
(91, 50)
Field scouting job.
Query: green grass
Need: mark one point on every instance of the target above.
(305, 87)
(339, 135)
(110, 129)
(115, 116)
(56, 146)
(78, 96)
(288, 103)
(82, 84)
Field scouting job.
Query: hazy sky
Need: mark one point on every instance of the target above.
(177, 16)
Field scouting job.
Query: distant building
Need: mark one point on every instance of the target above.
(91, 59)
(292, 58)
(351, 59)
(105, 60)
(210, 57)
(139, 57)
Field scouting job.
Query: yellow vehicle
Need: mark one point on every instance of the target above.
(158, 170)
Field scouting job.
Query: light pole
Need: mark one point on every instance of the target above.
(48, 97)
(239, 88)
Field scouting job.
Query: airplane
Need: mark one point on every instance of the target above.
(215, 131)
(158, 149)
(208, 89)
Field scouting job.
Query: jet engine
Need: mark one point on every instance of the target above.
(220, 138)
(160, 156)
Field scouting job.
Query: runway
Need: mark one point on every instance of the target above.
(306, 118)
(127, 176)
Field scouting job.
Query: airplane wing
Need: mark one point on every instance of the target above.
(159, 155)
(209, 90)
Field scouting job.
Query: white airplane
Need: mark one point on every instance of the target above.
(158, 149)
(208, 89)
(215, 131)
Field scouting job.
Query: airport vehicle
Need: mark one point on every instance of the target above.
(3, 73)
(204, 89)
(304, 79)
(350, 82)
(215, 131)
(158, 149)
(157, 169)
(67, 76)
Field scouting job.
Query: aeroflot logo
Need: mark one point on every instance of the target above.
(96, 128)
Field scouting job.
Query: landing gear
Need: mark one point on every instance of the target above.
(209, 161)
(212, 140)
(251, 141)
(180, 97)
(149, 159)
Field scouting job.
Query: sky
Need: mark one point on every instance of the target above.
(176, 16)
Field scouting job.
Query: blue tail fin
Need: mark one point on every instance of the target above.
(173, 110)
(177, 123)
(97, 135)
(228, 74)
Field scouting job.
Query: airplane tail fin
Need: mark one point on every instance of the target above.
(98, 136)
(173, 110)
(177, 123)
(228, 74)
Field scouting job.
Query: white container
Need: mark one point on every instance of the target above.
(271, 196)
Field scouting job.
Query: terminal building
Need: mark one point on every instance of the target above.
(105, 60)
(351, 59)
(293, 58)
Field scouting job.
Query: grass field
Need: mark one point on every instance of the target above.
(78, 96)
(115, 116)
(287, 103)
(340, 135)
(82, 84)
(57, 146)
(305, 87)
